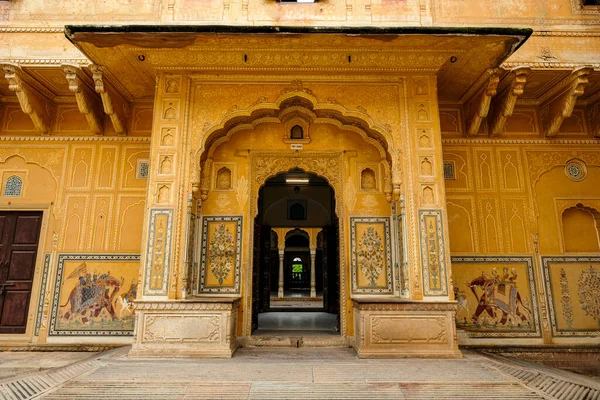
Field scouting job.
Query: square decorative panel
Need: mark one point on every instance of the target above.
(496, 296)
(220, 263)
(94, 294)
(573, 293)
(371, 260)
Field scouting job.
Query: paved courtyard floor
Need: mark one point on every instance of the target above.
(285, 373)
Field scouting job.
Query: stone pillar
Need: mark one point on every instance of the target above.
(313, 278)
(430, 273)
(168, 324)
(418, 320)
(280, 291)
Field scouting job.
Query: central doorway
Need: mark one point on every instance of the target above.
(295, 257)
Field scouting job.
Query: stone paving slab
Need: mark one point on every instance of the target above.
(280, 374)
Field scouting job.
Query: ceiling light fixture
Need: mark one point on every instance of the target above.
(296, 180)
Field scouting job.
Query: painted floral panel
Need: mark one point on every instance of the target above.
(221, 252)
(573, 285)
(371, 255)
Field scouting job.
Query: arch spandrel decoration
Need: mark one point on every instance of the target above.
(303, 102)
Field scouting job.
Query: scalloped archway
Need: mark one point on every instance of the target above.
(298, 104)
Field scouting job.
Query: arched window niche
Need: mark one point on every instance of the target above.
(13, 187)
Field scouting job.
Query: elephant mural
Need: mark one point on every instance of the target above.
(92, 295)
(499, 293)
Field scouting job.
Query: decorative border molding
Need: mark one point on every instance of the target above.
(528, 261)
(235, 289)
(406, 305)
(439, 249)
(40, 308)
(194, 305)
(356, 289)
(519, 141)
(567, 33)
(546, 261)
(47, 61)
(166, 254)
(74, 139)
(52, 331)
(30, 29)
(559, 65)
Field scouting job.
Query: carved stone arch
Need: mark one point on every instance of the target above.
(296, 99)
(325, 164)
(297, 231)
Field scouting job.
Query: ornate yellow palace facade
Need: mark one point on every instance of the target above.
(424, 172)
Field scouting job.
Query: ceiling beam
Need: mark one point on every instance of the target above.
(32, 103)
(559, 108)
(503, 104)
(87, 100)
(478, 107)
(115, 105)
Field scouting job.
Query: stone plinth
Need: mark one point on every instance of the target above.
(203, 327)
(396, 328)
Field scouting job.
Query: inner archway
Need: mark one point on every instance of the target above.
(295, 256)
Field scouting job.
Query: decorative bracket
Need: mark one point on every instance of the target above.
(32, 103)
(555, 111)
(503, 105)
(115, 106)
(87, 101)
(479, 105)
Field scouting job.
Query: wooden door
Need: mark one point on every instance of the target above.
(255, 275)
(334, 267)
(19, 236)
(265, 273)
(331, 271)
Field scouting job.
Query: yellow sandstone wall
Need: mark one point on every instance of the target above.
(93, 211)
(512, 205)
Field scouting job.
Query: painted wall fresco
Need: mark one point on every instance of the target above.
(433, 258)
(573, 290)
(371, 259)
(496, 296)
(221, 254)
(158, 254)
(94, 295)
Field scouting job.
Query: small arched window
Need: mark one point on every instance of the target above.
(13, 186)
(297, 132)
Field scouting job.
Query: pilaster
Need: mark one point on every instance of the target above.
(430, 271)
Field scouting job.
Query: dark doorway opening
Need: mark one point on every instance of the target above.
(19, 237)
(295, 256)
